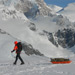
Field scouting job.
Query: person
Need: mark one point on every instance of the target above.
(18, 49)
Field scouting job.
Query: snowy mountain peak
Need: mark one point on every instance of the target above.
(69, 12)
(9, 2)
(55, 8)
(30, 8)
(11, 12)
(70, 6)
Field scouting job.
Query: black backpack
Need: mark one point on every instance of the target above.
(19, 45)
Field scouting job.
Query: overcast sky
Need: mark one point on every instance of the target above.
(62, 3)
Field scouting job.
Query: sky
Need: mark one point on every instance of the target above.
(62, 3)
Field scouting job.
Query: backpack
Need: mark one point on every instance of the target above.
(19, 45)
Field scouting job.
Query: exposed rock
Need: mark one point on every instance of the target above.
(51, 38)
(29, 50)
(32, 9)
(32, 26)
(66, 37)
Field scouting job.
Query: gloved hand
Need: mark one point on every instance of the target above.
(12, 51)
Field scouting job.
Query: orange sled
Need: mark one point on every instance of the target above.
(60, 61)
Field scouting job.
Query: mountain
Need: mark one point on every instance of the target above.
(55, 8)
(32, 8)
(69, 12)
(34, 26)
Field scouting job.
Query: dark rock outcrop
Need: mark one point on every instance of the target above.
(66, 37)
(29, 50)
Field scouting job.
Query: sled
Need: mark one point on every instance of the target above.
(60, 61)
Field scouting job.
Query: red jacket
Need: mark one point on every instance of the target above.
(15, 48)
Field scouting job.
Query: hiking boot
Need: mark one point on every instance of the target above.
(22, 63)
(14, 63)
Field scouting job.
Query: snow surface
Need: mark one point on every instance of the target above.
(55, 8)
(69, 11)
(36, 65)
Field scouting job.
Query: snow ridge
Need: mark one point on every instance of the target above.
(69, 12)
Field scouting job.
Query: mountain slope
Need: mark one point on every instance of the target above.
(32, 8)
(20, 29)
(69, 12)
(14, 22)
(55, 8)
(6, 45)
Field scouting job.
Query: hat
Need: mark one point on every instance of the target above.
(15, 42)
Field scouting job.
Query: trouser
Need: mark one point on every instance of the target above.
(18, 56)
